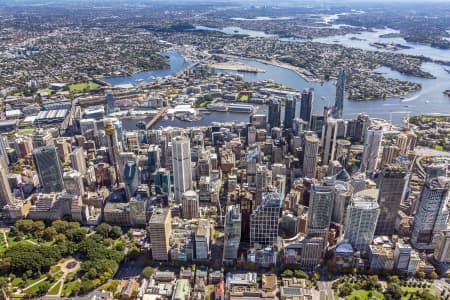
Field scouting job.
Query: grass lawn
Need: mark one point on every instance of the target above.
(26, 131)
(55, 289)
(35, 288)
(244, 98)
(48, 91)
(363, 295)
(80, 87)
(16, 281)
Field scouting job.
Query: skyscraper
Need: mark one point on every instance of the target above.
(49, 169)
(361, 220)
(329, 135)
(432, 213)
(442, 251)
(113, 147)
(154, 154)
(159, 229)
(274, 113)
(6, 197)
(312, 144)
(162, 182)
(4, 146)
(320, 211)
(372, 146)
(264, 221)
(110, 102)
(289, 112)
(232, 232)
(338, 107)
(306, 106)
(73, 182)
(78, 161)
(189, 205)
(181, 162)
(393, 184)
(130, 178)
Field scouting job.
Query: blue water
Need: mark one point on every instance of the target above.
(176, 64)
(429, 100)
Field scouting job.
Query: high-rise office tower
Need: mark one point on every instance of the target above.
(263, 181)
(48, 168)
(306, 106)
(312, 144)
(113, 147)
(73, 182)
(342, 151)
(154, 153)
(442, 250)
(6, 197)
(393, 184)
(232, 232)
(264, 221)
(159, 230)
(357, 127)
(253, 154)
(372, 147)
(361, 219)
(162, 182)
(432, 213)
(338, 108)
(4, 146)
(78, 161)
(63, 148)
(289, 112)
(42, 138)
(329, 135)
(189, 205)
(110, 102)
(181, 162)
(274, 113)
(130, 178)
(320, 211)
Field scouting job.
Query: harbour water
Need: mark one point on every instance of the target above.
(429, 100)
(176, 64)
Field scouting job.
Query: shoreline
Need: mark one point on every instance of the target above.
(299, 71)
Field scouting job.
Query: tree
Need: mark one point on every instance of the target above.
(116, 232)
(103, 230)
(393, 279)
(393, 292)
(421, 275)
(316, 276)
(134, 252)
(300, 274)
(147, 272)
(92, 273)
(287, 273)
(49, 233)
(76, 234)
